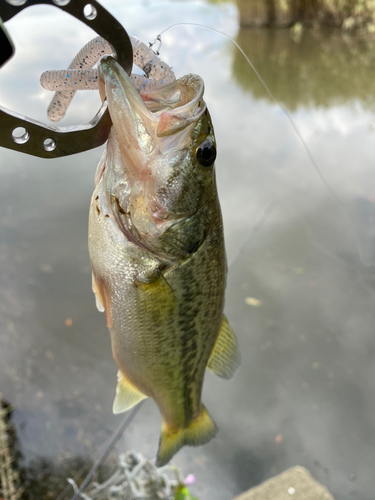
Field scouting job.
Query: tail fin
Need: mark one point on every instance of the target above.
(201, 430)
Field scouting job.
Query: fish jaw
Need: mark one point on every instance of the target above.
(135, 126)
(153, 123)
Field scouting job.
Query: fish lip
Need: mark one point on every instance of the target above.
(110, 71)
(163, 111)
(173, 117)
(133, 123)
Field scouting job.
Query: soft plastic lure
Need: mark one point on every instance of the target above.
(81, 76)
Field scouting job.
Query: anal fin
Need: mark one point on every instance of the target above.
(127, 395)
(225, 357)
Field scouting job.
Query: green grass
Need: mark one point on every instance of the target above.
(183, 493)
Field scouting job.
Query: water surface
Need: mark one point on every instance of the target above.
(300, 241)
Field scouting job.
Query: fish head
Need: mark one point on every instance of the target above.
(168, 149)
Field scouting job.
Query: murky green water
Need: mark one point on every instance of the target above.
(303, 248)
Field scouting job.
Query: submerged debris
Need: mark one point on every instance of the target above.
(9, 478)
(135, 478)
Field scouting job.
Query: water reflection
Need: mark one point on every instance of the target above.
(328, 79)
(45, 479)
(41, 478)
(319, 68)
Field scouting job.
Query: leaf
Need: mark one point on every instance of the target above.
(183, 493)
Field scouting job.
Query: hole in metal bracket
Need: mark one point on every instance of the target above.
(49, 144)
(20, 135)
(90, 12)
(61, 3)
(16, 3)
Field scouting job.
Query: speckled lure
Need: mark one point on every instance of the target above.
(82, 76)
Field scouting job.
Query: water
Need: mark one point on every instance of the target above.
(300, 292)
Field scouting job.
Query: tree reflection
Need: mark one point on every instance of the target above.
(321, 68)
(346, 14)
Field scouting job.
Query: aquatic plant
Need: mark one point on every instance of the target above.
(135, 478)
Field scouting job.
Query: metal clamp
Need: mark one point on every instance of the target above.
(47, 141)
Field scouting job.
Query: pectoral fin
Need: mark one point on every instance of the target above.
(102, 299)
(98, 298)
(225, 358)
(127, 395)
(157, 297)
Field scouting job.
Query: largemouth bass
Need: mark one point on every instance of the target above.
(157, 253)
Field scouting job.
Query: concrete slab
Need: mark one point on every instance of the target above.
(293, 484)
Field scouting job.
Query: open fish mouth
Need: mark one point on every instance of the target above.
(149, 123)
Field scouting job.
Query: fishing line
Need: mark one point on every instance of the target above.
(267, 89)
(291, 121)
(85, 467)
(104, 455)
(253, 233)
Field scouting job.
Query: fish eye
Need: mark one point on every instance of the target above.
(206, 153)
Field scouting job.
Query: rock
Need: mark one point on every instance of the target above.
(293, 484)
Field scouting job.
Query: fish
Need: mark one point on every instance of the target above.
(156, 246)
